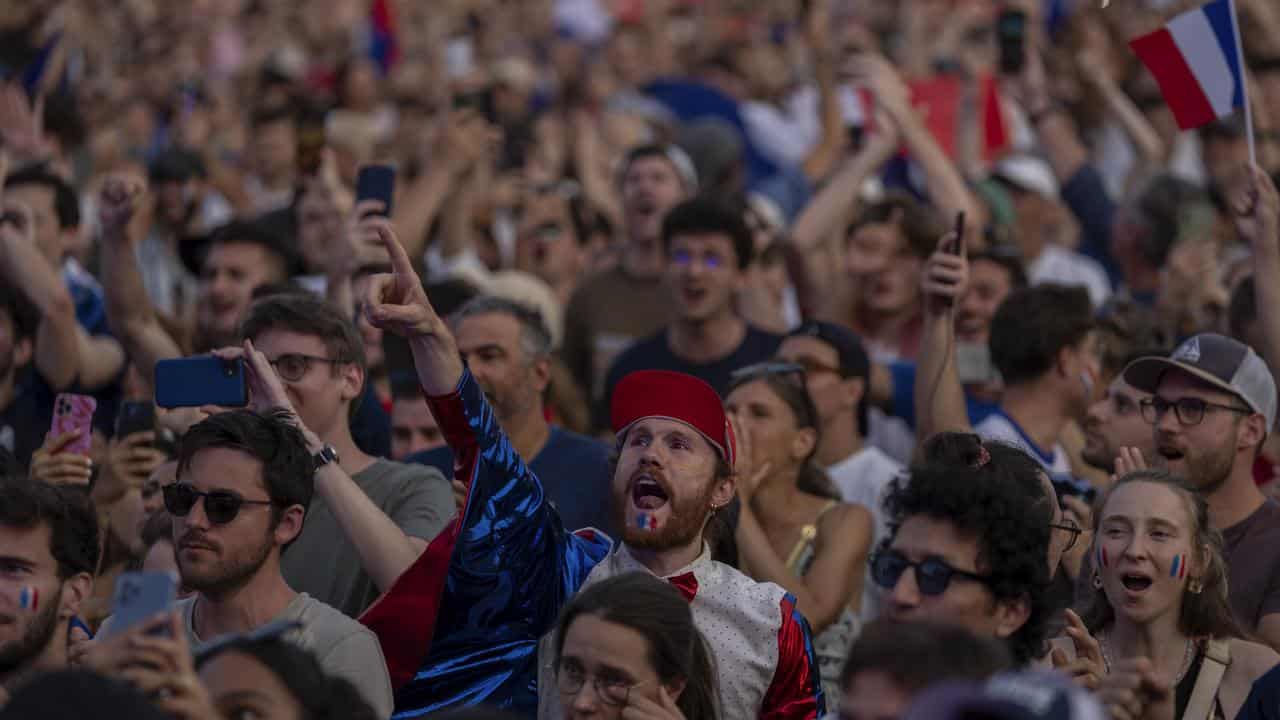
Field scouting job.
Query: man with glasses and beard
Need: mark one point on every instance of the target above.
(48, 552)
(1212, 404)
(244, 483)
(514, 565)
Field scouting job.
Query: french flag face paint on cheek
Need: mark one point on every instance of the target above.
(646, 521)
(1102, 557)
(1179, 567)
(29, 598)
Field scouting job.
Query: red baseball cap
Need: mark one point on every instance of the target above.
(673, 396)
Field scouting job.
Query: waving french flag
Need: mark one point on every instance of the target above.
(1196, 60)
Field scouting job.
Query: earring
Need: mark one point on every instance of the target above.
(1097, 581)
(1195, 586)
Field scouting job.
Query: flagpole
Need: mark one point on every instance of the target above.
(1244, 82)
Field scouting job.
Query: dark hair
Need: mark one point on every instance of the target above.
(1204, 614)
(998, 505)
(1008, 258)
(916, 655)
(1161, 215)
(702, 215)
(76, 694)
(252, 233)
(1033, 325)
(535, 338)
(73, 525)
(666, 153)
(919, 223)
(281, 112)
(288, 471)
(656, 610)
(25, 316)
(322, 696)
(66, 204)
(1243, 309)
(310, 315)
(812, 479)
(1124, 327)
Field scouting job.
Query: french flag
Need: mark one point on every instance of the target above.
(1196, 60)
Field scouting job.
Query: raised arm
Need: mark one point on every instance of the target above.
(939, 397)
(1256, 209)
(57, 350)
(947, 187)
(129, 310)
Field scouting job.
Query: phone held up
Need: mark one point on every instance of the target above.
(376, 182)
(1011, 35)
(73, 412)
(201, 380)
(140, 596)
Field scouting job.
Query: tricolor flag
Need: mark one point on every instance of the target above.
(29, 598)
(1196, 59)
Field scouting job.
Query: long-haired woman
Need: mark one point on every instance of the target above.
(1160, 598)
(630, 642)
(793, 529)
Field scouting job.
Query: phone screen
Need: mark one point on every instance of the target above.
(1011, 31)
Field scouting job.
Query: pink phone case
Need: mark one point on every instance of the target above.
(74, 412)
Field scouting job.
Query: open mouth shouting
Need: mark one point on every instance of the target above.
(647, 494)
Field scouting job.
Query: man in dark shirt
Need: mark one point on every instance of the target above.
(508, 349)
(1213, 403)
(708, 250)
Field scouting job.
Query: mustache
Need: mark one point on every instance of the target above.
(196, 537)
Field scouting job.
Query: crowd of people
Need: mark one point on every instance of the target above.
(785, 359)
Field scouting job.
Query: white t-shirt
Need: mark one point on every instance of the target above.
(1002, 428)
(864, 478)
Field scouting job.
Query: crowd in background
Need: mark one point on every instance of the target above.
(990, 352)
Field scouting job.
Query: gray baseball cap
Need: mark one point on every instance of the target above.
(1217, 360)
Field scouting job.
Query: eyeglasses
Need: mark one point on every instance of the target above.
(293, 366)
(1068, 526)
(220, 506)
(1190, 410)
(611, 691)
(793, 371)
(933, 575)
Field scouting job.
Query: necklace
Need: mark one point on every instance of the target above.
(1188, 655)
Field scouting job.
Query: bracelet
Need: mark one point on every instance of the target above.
(1035, 117)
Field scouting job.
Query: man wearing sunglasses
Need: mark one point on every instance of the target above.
(513, 565)
(1212, 404)
(969, 547)
(244, 484)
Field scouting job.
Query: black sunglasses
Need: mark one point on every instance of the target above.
(220, 506)
(933, 575)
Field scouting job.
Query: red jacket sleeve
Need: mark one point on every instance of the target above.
(404, 617)
(796, 690)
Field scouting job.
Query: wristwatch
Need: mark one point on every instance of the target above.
(325, 456)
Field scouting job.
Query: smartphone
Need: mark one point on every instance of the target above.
(134, 417)
(74, 412)
(957, 248)
(310, 146)
(376, 182)
(201, 380)
(140, 596)
(1011, 35)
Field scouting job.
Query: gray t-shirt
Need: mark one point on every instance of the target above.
(324, 563)
(344, 647)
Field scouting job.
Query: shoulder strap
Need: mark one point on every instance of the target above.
(1217, 656)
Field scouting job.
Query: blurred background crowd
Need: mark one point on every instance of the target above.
(546, 153)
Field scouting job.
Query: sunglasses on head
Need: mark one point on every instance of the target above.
(933, 575)
(220, 506)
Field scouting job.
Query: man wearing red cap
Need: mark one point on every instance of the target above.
(514, 564)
